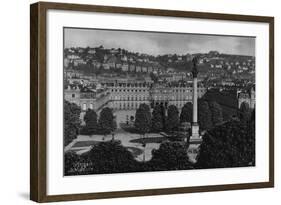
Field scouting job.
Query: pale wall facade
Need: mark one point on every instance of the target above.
(125, 98)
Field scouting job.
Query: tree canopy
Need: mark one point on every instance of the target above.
(106, 121)
(71, 121)
(90, 119)
(111, 157)
(157, 121)
(231, 144)
(170, 156)
(204, 115)
(153, 77)
(172, 121)
(216, 110)
(186, 113)
(143, 119)
(76, 164)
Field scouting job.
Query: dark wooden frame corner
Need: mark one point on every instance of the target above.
(38, 97)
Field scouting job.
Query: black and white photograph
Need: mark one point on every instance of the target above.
(143, 101)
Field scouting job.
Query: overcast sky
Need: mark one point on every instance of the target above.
(159, 43)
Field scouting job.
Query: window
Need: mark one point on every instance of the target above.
(91, 106)
(73, 95)
(84, 106)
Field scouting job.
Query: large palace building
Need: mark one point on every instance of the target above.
(127, 96)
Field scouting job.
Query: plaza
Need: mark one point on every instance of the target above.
(132, 141)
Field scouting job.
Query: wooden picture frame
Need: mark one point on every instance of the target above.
(38, 100)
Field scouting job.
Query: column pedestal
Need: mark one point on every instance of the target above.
(195, 136)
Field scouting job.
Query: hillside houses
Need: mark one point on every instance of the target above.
(118, 60)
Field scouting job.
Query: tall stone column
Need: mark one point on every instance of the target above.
(195, 97)
(195, 139)
(195, 127)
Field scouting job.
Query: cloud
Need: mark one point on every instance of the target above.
(157, 43)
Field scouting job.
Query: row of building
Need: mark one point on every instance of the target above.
(124, 99)
(128, 96)
(114, 63)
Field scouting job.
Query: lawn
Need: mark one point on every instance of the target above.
(135, 151)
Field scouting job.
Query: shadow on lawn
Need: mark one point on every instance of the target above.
(147, 140)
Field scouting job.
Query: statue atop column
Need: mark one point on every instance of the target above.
(194, 66)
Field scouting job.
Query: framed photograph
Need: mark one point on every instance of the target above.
(135, 102)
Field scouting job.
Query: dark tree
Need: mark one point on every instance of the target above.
(172, 121)
(71, 121)
(186, 113)
(170, 156)
(250, 152)
(111, 157)
(244, 112)
(90, 119)
(157, 121)
(231, 144)
(70, 159)
(253, 115)
(143, 119)
(76, 164)
(106, 121)
(204, 115)
(153, 77)
(216, 110)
